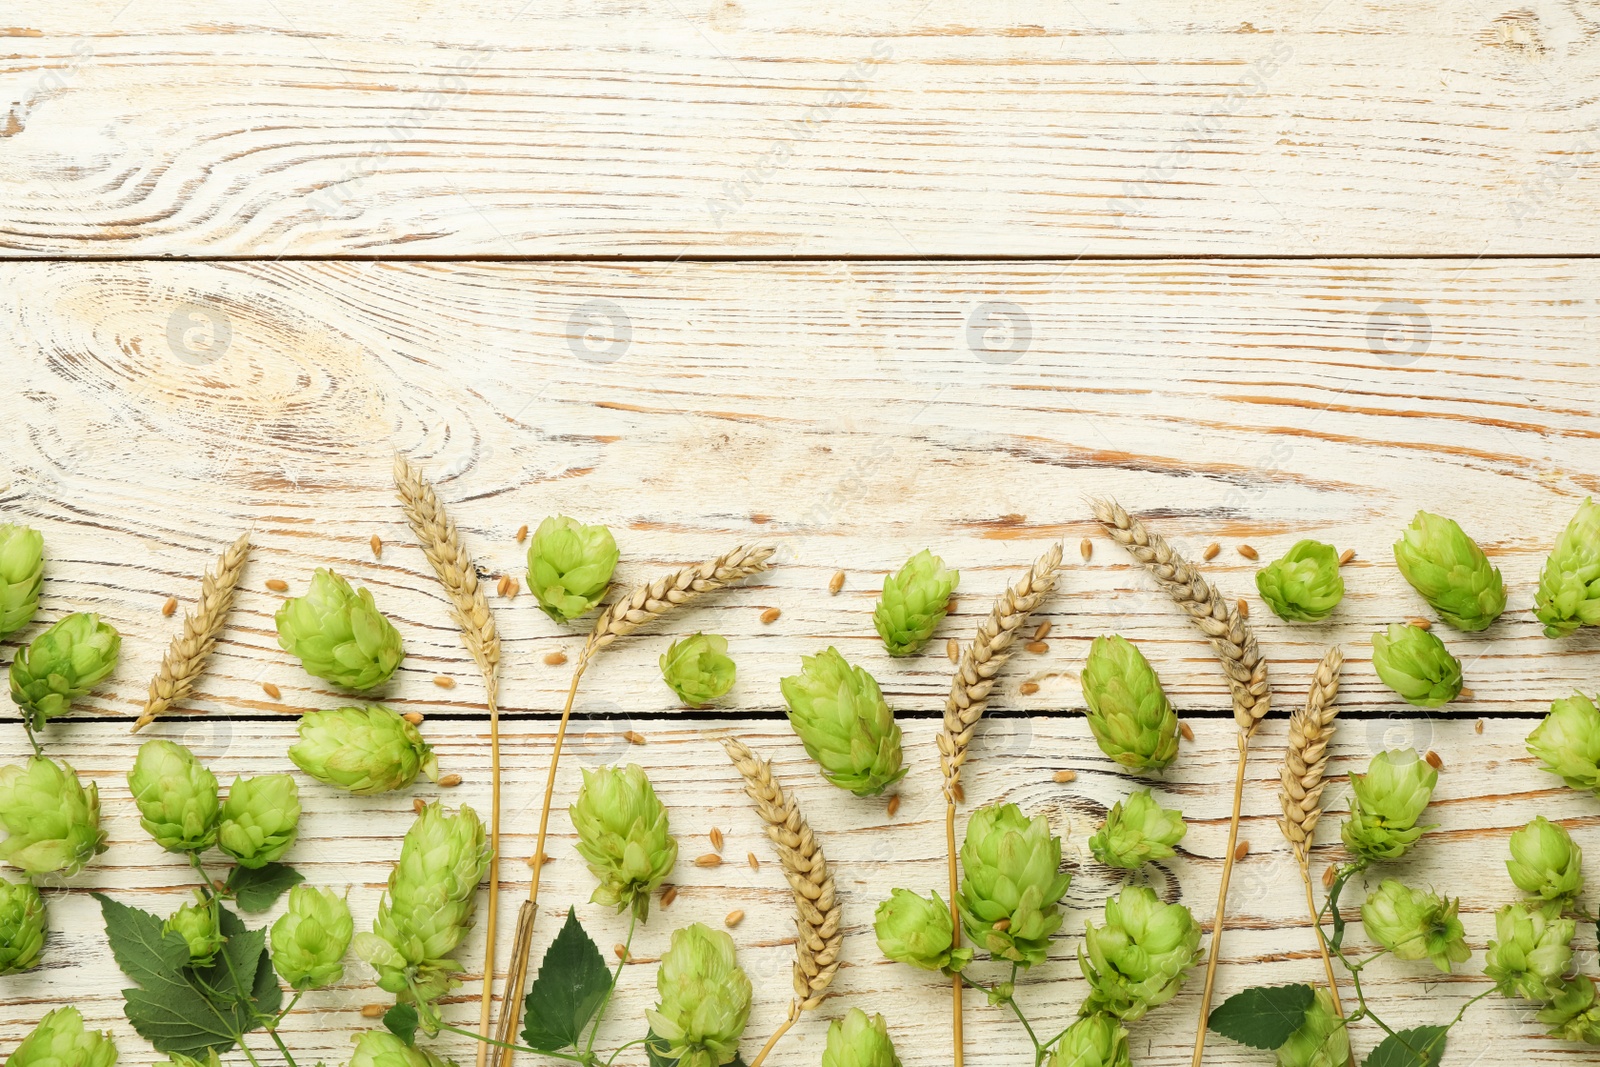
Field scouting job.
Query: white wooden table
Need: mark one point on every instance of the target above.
(854, 281)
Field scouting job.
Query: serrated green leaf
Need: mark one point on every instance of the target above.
(660, 1059)
(138, 944)
(402, 1021)
(1262, 1017)
(257, 888)
(573, 980)
(1422, 1046)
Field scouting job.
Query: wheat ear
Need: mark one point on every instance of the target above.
(643, 605)
(1242, 661)
(441, 543)
(817, 910)
(186, 656)
(975, 676)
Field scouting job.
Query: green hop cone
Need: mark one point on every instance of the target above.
(53, 819)
(913, 603)
(61, 1041)
(1568, 741)
(1137, 831)
(22, 926)
(362, 750)
(705, 999)
(841, 717)
(1305, 584)
(1137, 960)
(310, 939)
(177, 797)
(1530, 952)
(1415, 924)
(1322, 1040)
(21, 576)
(260, 819)
(199, 925)
(1414, 663)
(698, 669)
(429, 906)
(1569, 585)
(916, 930)
(1545, 862)
(1011, 886)
(339, 634)
(1451, 572)
(380, 1048)
(859, 1040)
(1386, 803)
(1096, 1040)
(1130, 715)
(623, 836)
(62, 664)
(569, 566)
(1573, 1014)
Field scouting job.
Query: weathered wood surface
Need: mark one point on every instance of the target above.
(1489, 786)
(739, 127)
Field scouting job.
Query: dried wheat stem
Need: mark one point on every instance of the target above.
(186, 656)
(441, 543)
(1246, 668)
(817, 911)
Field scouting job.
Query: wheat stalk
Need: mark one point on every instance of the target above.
(974, 679)
(1246, 668)
(643, 605)
(186, 656)
(817, 910)
(441, 543)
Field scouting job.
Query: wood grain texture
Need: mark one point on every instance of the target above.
(777, 127)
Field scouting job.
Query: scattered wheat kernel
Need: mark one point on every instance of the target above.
(555, 659)
(1037, 647)
(750, 858)
(952, 648)
(894, 805)
(1241, 851)
(1249, 552)
(836, 583)
(1465, 694)
(503, 584)
(1211, 551)
(710, 859)
(1063, 777)
(272, 691)
(413, 717)
(621, 951)
(513, 587)
(417, 805)
(633, 737)
(377, 547)
(716, 838)
(960, 792)
(522, 533)
(1043, 631)
(669, 893)
(1477, 727)
(1433, 759)
(1027, 689)
(733, 918)
(1002, 925)
(1086, 549)
(1186, 731)
(1244, 608)
(1420, 623)
(1346, 556)
(170, 606)
(449, 781)
(1329, 873)
(533, 861)
(444, 681)
(373, 1011)
(770, 615)
(277, 585)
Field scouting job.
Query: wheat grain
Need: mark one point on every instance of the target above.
(733, 918)
(1346, 556)
(1249, 552)
(169, 608)
(277, 585)
(1311, 728)
(770, 615)
(272, 690)
(836, 583)
(186, 657)
(1086, 549)
(1063, 777)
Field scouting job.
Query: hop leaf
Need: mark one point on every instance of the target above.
(698, 669)
(22, 926)
(569, 566)
(1530, 952)
(1305, 584)
(1130, 715)
(704, 998)
(859, 1040)
(362, 750)
(1136, 832)
(61, 1041)
(1451, 572)
(1264, 1017)
(919, 931)
(913, 603)
(200, 927)
(1569, 585)
(21, 576)
(1096, 1040)
(176, 795)
(1386, 803)
(1011, 886)
(260, 819)
(1568, 741)
(339, 634)
(52, 818)
(1546, 863)
(1414, 663)
(1415, 924)
(310, 939)
(61, 664)
(841, 717)
(1137, 960)
(623, 836)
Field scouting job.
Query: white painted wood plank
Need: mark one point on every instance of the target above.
(777, 127)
